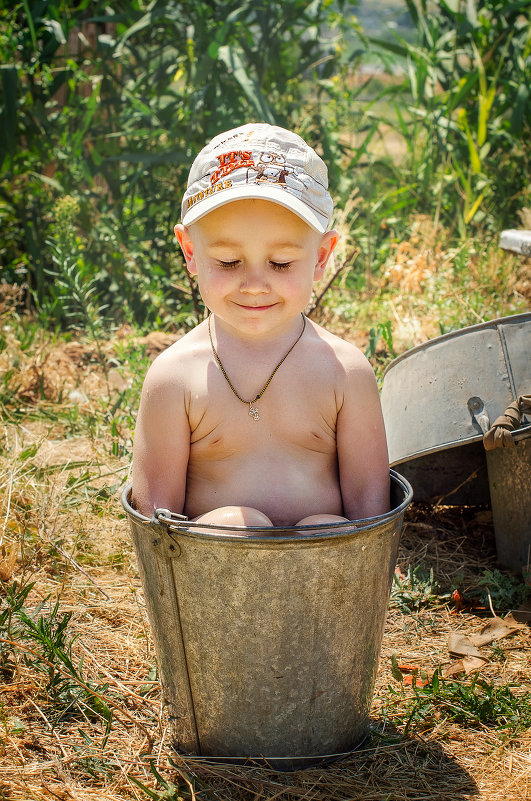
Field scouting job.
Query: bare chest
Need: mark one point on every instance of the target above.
(294, 414)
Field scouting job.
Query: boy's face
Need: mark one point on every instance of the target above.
(255, 263)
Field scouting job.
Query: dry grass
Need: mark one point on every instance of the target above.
(426, 287)
(72, 543)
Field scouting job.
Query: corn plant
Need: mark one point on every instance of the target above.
(463, 108)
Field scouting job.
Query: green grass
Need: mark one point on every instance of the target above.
(471, 703)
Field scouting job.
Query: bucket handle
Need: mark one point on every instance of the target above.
(499, 435)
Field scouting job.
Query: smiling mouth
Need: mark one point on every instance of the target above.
(256, 308)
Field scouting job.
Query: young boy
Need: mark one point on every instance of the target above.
(258, 416)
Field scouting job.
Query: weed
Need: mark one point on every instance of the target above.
(470, 703)
(382, 330)
(65, 687)
(414, 590)
(505, 592)
(95, 763)
(12, 604)
(170, 791)
(49, 654)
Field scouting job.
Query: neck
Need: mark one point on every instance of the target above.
(268, 342)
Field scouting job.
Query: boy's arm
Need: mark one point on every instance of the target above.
(361, 444)
(161, 444)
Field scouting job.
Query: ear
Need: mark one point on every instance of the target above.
(325, 249)
(187, 246)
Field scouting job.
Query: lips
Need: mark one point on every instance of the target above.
(256, 308)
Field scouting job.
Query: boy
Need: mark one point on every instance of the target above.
(258, 416)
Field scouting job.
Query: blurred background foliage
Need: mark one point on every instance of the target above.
(107, 103)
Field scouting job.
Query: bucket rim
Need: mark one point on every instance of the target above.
(519, 434)
(291, 762)
(513, 318)
(271, 534)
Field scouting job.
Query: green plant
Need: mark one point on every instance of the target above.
(66, 690)
(73, 293)
(502, 590)
(471, 703)
(46, 645)
(463, 110)
(169, 792)
(12, 603)
(116, 120)
(414, 590)
(384, 331)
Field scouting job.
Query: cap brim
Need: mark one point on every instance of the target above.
(275, 194)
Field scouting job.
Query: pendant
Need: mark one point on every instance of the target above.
(253, 411)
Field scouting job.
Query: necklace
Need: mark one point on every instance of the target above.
(253, 411)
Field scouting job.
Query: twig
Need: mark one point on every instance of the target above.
(52, 730)
(329, 283)
(81, 569)
(8, 508)
(188, 782)
(467, 479)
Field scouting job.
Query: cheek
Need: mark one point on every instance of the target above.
(213, 282)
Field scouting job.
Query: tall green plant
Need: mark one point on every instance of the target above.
(111, 105)
(463, 109)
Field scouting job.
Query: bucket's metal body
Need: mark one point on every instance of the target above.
(440, 397)
(268, 639)
(510, 495)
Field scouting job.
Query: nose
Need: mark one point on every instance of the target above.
(254, 280)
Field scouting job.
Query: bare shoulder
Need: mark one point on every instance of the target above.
(348, 357)
(174, 365)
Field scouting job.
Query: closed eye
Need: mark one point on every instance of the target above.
(228, 265)
(277, 265)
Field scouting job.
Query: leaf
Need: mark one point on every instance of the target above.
(467, 665)
(47, 180)
(497, 629)
(8, 118)
(461, 645)
(145, 21)
(520, 108)
(470, 214)
(235, 64)
(395, 670)
(54, 27)
(415, 681)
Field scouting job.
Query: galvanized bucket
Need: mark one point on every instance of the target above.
(509, 471)
(268, 639)
(439, 398)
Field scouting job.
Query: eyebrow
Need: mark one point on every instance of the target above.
(220, 243)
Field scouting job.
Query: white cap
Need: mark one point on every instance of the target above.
(260, 161)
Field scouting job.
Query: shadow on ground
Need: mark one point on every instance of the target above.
(387, 768)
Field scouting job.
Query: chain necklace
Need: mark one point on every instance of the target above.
(253, 411)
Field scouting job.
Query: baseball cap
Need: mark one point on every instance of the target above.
(262, 161)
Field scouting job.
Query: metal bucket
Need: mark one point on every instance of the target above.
(439, 397)
(268, 639)
(510, 494)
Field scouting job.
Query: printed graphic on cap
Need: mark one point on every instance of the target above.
(271, 168)
(228, 162)
(206, 193)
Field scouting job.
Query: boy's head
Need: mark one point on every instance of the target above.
(264, 162)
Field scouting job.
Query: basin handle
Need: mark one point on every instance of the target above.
(476, 408)
(499, 436)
